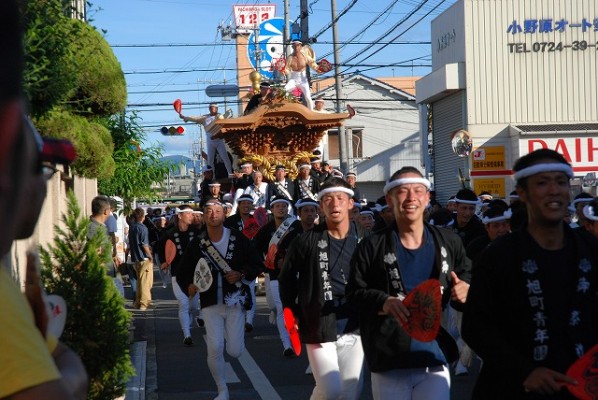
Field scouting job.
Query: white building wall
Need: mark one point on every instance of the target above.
(518, 74)
(55, 206)
(377, 110)
(389, 121)
(522, 77)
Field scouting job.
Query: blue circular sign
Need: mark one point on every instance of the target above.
(269, 46)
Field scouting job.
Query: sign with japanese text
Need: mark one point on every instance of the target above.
(248, 17)
(494, 186)
(489, 158)
(539, 35)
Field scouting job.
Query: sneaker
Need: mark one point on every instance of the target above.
(289, 353)
(199, 322)
(188, 341)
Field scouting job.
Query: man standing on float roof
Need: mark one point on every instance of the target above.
(296, 71)
(214, 145)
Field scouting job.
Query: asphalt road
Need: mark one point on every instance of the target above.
(175, 371)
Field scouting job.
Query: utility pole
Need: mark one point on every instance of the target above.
(286, 36)
(342, 131)
(305, 30)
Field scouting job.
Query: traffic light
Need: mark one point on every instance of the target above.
(172, 130)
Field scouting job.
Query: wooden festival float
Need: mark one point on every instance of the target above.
(279, 131)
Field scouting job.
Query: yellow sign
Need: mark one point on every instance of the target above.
(494, 186)
(489, 158)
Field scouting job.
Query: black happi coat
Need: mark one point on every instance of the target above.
(274, 190)
(181, 240)
(244, 259)
(386, 345)
(500, 326)
(300, 284)
(472, 230)
(313, 185)
(261, 242)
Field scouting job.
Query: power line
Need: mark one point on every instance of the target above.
(236, 102)
(183, 71)
(399, 35)
(389, 31)
(224, 44)
(337, 17)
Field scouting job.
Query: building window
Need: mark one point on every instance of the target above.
(334, 148)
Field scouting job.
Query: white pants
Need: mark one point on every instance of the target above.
(238, 192)
(218, 145)
(299, 80)
(412, 384)
(250, 315)
(275, 304)
(223, 323)
(337, 368)
(187, 307)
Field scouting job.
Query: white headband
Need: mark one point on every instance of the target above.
(366, 212)
(506, 215)
(280, 201)
(305, 166)
(179, 211)
(303, 203)
(214, 203)
(335, 189)
(513, 196)
(590, 213)
(582, 200)
(546, 167)
(472, 202)
(404, 181)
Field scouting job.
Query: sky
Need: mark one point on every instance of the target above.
(173, 49)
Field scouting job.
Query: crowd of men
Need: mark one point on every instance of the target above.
(364, 258)
(520, 278)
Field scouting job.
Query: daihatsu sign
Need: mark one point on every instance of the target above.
(581, 152)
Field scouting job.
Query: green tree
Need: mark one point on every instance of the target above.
(138, 169)
(101, 89)
(97, 323)
(73, 82)
(92, 140)
(49, 58)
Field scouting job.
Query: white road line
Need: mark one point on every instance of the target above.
(258, 379)
(231, 377)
